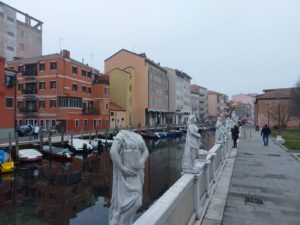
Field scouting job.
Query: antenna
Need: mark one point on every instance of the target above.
(60, 39)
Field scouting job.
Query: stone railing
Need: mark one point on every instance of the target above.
(187, 200)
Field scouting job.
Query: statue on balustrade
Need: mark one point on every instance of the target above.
(192, 145)
(220, 131)
(128, 153)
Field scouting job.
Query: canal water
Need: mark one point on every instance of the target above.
(79, 192)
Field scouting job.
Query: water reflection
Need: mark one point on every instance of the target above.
(79, 192)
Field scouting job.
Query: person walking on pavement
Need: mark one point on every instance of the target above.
(265, 132)
(235, 135)
(36, 131)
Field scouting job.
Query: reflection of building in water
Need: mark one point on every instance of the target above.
(54, 191)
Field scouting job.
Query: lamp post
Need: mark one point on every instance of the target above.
(268, 114)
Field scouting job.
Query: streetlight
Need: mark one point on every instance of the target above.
(268, 114)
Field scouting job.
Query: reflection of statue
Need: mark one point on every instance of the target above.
(192, 144)
(128, 154)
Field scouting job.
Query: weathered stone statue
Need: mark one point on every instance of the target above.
(229, 124)
(220, 131)
(234, 118)
(128, 153)
(192, 145)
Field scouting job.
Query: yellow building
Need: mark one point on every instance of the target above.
(121, 86)
(149, 89)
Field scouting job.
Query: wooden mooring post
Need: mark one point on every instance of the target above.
(17, 147)
(62, 135)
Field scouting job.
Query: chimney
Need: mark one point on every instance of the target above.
(65, 53)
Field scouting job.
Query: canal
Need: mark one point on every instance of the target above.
(79, 192)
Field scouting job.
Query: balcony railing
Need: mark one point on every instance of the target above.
(91, 111)
(29, 91)
(27, 110)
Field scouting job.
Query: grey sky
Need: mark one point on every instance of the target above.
(230, 46)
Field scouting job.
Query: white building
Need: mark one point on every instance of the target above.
(202, 93)
(179, 96)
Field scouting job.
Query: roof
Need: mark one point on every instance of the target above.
(276, 93)
(115, 107)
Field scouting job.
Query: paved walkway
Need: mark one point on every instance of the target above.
(265, 185)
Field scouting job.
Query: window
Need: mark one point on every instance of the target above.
(111, 113)
(9, 48)
(89, 74)
(10, 19)
(20, 104)
(106, 106)
(20, 69)
(130, 87)
(83, 73)
(52, 84)
(89, 90)
(74, 87)
(10, 34)
(42, 85)
(74, 69)
(85, 123)
(22, 47)
(9, 102)
(42, 123)
(22, 33)
(76, 123)
(20, 87)
(83, 89)
(106, 91)
(53, 123)
(53, 66)
(42, 66)
(52, 103)
(69, 102)
(42, 104)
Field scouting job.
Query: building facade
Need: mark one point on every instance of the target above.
(117, 116)
(243, 104)
(20, 34)
(7, 100)
(202, 93)
(275, 108)
(195, 101)
(122, 86)
(180, 106)
(57, 92)
(218, 105)
(150, 99)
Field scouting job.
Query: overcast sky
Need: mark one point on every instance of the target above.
(230, 46)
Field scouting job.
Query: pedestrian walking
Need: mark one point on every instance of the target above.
(235, 135)
(36, 131)
(265, 132)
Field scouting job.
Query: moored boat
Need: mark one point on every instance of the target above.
(30, 155)
(57, 153)
(81, 146)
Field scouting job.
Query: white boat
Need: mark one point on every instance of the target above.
(79, 143)
(103, 141)
(30, 155)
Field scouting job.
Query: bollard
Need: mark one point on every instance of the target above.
(17, 147)
(90, 138)
(81, 132)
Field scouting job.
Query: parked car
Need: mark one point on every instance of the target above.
(25, 130)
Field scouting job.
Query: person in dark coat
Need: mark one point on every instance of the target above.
(265, 132)
(235, 135)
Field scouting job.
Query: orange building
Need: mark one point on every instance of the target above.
(151, 87)
(55, 92)
(274, 108)
(7, 100)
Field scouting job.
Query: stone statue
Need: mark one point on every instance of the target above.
(234, 118)
(128, 153)
(220, 130)
(192, 145)
(229, 124)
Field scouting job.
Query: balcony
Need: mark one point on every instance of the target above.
(91, 111)
(28, 110)
(29, 91)
(30, 70)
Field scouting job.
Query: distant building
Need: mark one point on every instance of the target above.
(274, 107)
(179, 96)
(20, 34)
(151, 87)
(55, 91)
(7, 100)
(243, 104)
(195, 101)
(122, 86)
(117, 116)
(202, 92)
(217, 104)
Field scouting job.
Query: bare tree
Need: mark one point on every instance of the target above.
(281, 113)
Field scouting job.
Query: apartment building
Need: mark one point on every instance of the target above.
(217, 104)
(57, 92)
(202, 92)
(7, 100)
(151, 87)
(243, 105)
(20, 34)
(179, 96)
(195, 102)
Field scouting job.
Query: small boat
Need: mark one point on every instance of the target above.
(6, 164)
(79, 145)
(57, 153)
(161, 134)
(30, 155)
(148, 135)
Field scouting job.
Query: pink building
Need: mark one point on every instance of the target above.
(217, 105)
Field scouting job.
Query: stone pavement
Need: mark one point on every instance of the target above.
(265, 185)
